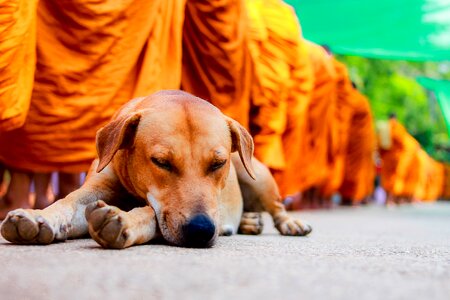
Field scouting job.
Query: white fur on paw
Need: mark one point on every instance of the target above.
(293, 227)
(227, 230)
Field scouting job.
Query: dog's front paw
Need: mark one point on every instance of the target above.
(108, 225)
(287, 225)
(251, 223)
(23, 226)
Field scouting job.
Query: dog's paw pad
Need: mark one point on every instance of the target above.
(293, 227)
(24, 227)
(251, 223)
(108, 226)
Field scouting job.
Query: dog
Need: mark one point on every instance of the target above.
(169, 165)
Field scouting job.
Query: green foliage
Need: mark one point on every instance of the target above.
(391, 87)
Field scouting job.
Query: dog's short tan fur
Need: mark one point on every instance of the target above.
(163, 160)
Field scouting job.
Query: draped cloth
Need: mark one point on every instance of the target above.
(397, 158)
(346, 103)
(291, 179)
(359, 166)
(319, 134)
(216, 60)
(446, 182)
(407, 170)
(17, 60)
(435, 180)
(421, 163)
(430, 175)
(281, 88)
(92, 57)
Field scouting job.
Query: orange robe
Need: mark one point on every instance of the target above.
(281, 88)
(17, 60)
(216, 61)
(425, 180)
(406, 175)
(397, 159)
(407, 170)
(291, 179)
(319, 132)
(446, 182)
(359, 169)
(346, 103)
(92, 56)
(420, 165)
(435, 180)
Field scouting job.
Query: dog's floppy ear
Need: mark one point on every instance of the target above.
(116, 135)
(243, 143)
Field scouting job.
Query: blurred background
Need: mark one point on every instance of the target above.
(388, 46)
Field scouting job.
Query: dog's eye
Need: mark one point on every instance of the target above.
(161, 163)
(217, 165)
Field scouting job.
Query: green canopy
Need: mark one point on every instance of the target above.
(417, 30)
(441, 89)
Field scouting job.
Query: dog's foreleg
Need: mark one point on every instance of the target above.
(61, 220)
(112, 227)
(263, 194)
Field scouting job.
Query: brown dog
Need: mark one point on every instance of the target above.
(166, 160)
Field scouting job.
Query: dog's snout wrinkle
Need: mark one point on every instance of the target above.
(199, 231)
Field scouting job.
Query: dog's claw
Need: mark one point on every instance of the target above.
(101, 203)
(108, 226)
(292, 227)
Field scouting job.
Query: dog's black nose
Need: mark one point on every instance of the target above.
(199, 231)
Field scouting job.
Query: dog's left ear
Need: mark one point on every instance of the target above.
(243, 143)
(117, 134)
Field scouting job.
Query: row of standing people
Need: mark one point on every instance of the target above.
(67, 67)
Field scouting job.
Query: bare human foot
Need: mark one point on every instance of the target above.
(44, 195)
(17, 194)
(2, 180)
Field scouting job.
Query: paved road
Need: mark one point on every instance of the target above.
(355, 253)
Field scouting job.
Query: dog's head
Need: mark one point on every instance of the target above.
(173, 149)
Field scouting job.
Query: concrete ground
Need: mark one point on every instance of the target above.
(353, 253)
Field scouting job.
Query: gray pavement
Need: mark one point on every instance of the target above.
(353, 253)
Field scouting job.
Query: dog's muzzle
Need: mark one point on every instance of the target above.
(199, 231)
